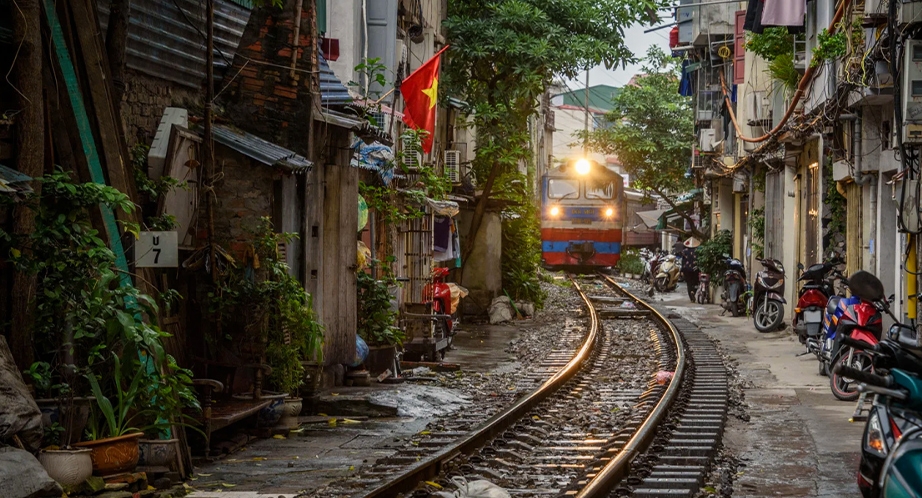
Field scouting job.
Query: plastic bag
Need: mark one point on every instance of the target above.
(474, 489)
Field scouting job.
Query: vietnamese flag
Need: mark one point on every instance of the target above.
(420, 92)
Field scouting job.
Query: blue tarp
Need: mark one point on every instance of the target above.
(376, 157)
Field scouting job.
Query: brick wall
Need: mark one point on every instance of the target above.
(264, 99)
(145, 99)
(243, 195)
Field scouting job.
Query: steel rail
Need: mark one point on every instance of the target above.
(498, 423)
(619, 466)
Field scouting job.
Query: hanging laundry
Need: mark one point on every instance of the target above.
(784, 12)
(442, 234)
(754, 16)
(685, 84)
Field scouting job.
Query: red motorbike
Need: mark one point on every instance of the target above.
(440, 294)
(815, 293)
(859, 318)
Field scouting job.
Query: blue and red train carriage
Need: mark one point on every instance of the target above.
(582, 209)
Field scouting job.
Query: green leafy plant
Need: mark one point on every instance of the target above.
(521, 256)
(837, 205)
(377, 322)
(776, 46)
(829, 46)
(118, 418)
(710, 254)
(267, 305)
(630, 262)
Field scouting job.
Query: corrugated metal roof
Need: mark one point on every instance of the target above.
(13, 182)
(260, 150)
(165, 40)
(332, 91)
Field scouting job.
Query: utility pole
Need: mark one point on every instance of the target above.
(208, 150)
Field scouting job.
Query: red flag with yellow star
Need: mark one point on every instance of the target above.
(420, 92)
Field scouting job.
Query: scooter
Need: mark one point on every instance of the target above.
(651, 262)
(734, 286)
(858, 318)
(703, 293)
(443, 316)
(815, 293)
(667, 278)
(768, 296)
(895, 413)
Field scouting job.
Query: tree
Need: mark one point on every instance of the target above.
(505, 53)
(652, 132)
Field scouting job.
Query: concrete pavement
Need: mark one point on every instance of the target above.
(798, 440)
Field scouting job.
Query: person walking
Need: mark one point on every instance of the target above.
(690, 266)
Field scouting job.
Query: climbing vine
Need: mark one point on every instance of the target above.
(757, 224)
(836, 203)
(829, 46)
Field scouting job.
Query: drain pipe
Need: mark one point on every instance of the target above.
(296, 42)
(862, 179)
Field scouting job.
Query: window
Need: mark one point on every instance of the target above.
(560, 189)
(600, 190)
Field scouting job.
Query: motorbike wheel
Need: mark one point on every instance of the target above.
(823, 370)
(844, 388)
(734, 309)
(768, 316)
(661, 283)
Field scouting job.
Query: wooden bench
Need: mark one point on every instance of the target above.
(222, 407)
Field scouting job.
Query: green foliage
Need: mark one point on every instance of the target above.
(84, 309)
(372, 71)
(630, 262)
(267, 304)
(757, 224)
(652, 129)
(377, 322)
(782, 69)
(429, 183)
(521, 255)
(771, 43)
(153, 189)
(710, 254)
(829, 46)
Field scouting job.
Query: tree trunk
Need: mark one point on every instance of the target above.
(479, 210)
(30, 146)
(691, 221)
(117, 44)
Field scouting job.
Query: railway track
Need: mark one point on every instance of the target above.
(599, 424)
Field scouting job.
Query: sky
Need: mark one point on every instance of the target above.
(638, 42)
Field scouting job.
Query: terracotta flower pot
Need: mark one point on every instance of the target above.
(158, 452)
(67, 467)
(114, 455)
(290, 412)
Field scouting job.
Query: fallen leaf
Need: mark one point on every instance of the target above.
(226, 485)
(535, 417)
(425, 433)
(203, 475)
(350, 421)
(258, 459)
(323, 414)
(331, 422)
(352, 467)
(334, 394)
(279, 436)
(434, 484)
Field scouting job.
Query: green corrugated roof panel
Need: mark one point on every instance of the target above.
(600, 97)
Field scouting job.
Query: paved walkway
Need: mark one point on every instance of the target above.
(798, 441)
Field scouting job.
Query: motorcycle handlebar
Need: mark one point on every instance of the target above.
(848, 341)
(862, 376)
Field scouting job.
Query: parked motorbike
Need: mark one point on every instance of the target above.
(651, 262)
(859, 318)
(901, 476)
(703, 293)
(895, 413)
(811, 302)
(442, 312)
(768, 296)
(734, 286)
(667, 277)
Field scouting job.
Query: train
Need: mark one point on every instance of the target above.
(582, 216)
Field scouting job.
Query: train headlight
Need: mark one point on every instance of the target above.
(582, 166)
(555, 211)
(609, 212)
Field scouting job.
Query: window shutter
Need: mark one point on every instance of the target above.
(739, 51)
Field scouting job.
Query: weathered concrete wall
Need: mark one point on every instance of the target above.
(483, 273)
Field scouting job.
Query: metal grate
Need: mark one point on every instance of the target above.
(419, 246)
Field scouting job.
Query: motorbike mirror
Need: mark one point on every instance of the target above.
(891, 298)
(905, 335)
(800, 266)
(725, 255)
(866, 286)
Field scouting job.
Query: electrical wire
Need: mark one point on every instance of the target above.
(805, 81)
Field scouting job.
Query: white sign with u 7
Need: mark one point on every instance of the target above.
(157, 250)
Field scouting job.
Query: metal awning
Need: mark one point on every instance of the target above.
(651, 218)
(260, 150)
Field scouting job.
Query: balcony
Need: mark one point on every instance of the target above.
(703, 24)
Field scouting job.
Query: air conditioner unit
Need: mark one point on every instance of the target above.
(912, 92)
(909, 12)
(453, 165)
(739, 184)
(706, 139)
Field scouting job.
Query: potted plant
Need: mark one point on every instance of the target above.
(377, 321)
(113, 438)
